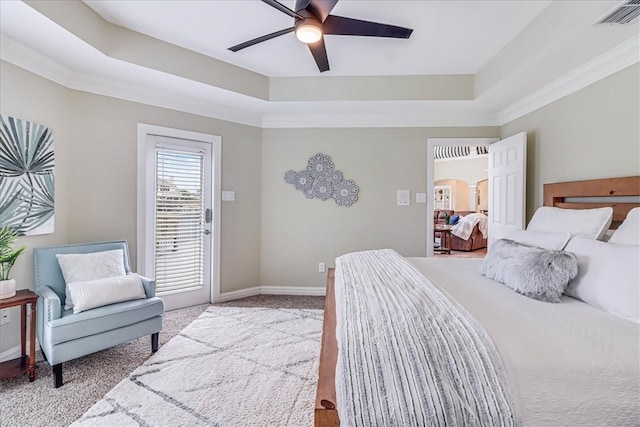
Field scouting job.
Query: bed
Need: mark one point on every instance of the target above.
(561, 364)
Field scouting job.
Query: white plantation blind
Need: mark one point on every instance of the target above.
(179, 222)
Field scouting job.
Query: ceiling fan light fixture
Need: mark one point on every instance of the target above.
(312, 17)
(309, 31)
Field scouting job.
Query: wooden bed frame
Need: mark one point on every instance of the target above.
(326, 413)
(557, 193)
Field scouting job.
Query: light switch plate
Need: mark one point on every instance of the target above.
(404, 198)
(421, 197)
(228, 196)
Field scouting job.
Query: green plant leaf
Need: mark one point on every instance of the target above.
(8, 255)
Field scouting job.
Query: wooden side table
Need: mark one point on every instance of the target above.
(24, 363)
(445, 238)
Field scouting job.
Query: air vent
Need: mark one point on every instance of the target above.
(623, 14)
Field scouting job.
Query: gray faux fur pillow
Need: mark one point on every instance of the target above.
(534, 272)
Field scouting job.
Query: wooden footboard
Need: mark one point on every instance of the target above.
(326, 414)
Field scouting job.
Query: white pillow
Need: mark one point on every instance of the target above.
(608, 276)
(91, 266)
(578, 222)
(541, 239)
(629, 231)
(96, 293)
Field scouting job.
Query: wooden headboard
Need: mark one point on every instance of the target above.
(557, 193)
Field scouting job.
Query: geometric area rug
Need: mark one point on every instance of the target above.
(231, 366)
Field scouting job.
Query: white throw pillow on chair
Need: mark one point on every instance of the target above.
(89, 266)
(110, 290)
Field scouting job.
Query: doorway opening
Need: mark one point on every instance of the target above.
(506, 183)
(449, 200)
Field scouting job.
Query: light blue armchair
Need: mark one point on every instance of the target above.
(64, 336)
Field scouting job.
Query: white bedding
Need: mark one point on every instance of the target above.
(567, 364)
(408, 355)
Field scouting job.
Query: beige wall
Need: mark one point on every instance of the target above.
(459, 193)
(463, 172)
(297, 233)
(112, 126)
(468, 170)
(482, 195)
(35, 99)
(592, 133)
(95, 174)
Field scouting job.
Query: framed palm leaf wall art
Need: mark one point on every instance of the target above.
(26, 176)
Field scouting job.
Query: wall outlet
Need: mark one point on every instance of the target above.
(321, 267)
(4, 317)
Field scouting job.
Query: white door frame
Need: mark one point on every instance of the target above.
(431, 144)
(144, 130)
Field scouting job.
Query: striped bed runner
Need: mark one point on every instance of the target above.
(408, 355)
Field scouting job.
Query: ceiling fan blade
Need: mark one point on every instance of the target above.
(302, 4)
(340, 25)
(260, 39)
(320, 8)
(282, 8)
(319, 53)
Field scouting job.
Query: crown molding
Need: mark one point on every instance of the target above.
(30, 60)
(24, 57)
(43, 66)
(429, 118)
(612, 61)
(389, 116)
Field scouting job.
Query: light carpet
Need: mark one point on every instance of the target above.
(232, 366)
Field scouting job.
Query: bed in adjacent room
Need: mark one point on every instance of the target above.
(431, 341)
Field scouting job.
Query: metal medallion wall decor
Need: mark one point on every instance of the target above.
(322, 181)
(26, 176)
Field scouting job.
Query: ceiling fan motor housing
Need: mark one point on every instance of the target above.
(308, 29)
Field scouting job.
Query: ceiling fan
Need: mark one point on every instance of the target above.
(312, 20)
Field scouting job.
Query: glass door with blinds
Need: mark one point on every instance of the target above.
(181, 221)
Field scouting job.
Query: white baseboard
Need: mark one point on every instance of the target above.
(292, 290)
(15, 352)
(10, 354)
(272, 290)
(242, 293)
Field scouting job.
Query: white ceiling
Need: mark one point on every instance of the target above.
(449, 37)
(516, 49)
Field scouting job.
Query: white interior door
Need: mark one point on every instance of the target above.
(507, 186)
(178, 216)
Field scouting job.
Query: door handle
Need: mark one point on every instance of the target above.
(207, 216)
